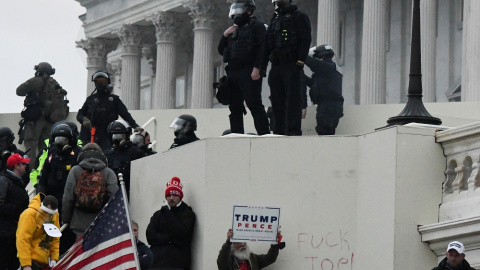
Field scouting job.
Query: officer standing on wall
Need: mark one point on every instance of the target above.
(287, 42)
(325, 88)
(99, 110)
(241, 46)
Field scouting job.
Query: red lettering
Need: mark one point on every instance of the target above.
(298, 239)
(342, 261)
(246, 225)
(262, 226)
(326, 241)
(317, 246)
(313, 258)
(327, 260)
(254, 225)
(239, 225)
(270, 227)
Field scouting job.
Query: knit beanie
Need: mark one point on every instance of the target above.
(174, 187)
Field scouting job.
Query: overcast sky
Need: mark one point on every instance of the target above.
(34, 31)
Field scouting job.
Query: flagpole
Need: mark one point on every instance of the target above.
(129, 221)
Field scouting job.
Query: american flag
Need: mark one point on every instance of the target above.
(106, 244)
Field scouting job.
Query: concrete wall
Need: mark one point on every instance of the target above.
(344, 199)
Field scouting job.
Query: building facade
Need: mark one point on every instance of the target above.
(162, 53)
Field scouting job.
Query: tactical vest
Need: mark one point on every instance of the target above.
(240, 45)
(282, 37)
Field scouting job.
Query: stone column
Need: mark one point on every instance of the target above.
(373, 78)
(131, 41)
(202, 77)
(97, 50)
(115, 71)
(428, 28)
(328, 26)
(471, 51)
(166, 25)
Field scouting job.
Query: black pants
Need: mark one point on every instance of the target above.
(243, 88)
(284, 82)
(8, 253)
(328, 115)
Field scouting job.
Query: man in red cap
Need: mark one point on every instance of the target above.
(170, 231)
(13, 200)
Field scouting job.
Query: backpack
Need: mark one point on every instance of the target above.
(223, 90)
(33, 107)
(90, 191)
(56, 102)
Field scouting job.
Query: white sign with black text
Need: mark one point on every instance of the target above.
(255, 223)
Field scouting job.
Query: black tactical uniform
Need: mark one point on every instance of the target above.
(287, 43)
(8, 148)
(101, 108)
(120, 158)
(243, 51)
(325, 91)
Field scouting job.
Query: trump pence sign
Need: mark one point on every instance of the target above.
(255, 223)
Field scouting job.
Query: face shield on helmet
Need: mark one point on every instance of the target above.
(101, 80)
(237, 9)
(118, 138)
(138, 140)
(61, 141)
(179, 124)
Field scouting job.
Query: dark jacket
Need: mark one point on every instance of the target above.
(169, 234)
(298, 28)
(326, 82)
(184, 140)
(443, 266)
(102, 110)
(245, 46)
(226, 261)
(13, 200)
(145, 255)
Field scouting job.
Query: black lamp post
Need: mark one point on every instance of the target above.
(414, 110)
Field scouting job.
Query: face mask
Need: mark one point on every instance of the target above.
(241, 20)
(101, 87)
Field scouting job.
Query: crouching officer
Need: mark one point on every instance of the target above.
(287, 42)
(241, 46)
(325, 88)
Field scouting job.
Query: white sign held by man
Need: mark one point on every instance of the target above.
(255, 223)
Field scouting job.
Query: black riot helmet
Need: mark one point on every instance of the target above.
(74, 130)
(63, 138)
(43, 68)
(323, 50)
(120, 131)
(101, 79)
(6, 138)
(240, 7)
(184, 125)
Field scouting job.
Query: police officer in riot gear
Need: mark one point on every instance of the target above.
(325, 88)
(141, 139)
(241, 46)
(184, 128)
(123, 151)
(62, 154)
(99, 110)
(8, 148)
(288, 39)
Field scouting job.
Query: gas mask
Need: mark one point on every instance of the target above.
(241, 20)
(62, 145)
(120, 140)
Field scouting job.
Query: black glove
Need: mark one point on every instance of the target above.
(87, 123)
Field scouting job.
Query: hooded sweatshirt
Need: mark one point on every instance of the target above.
(33, 243)
(78, 219)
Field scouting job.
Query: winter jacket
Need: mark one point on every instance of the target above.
(443, 266)
(33, 243)
(145, 255)
(13, 200)
(225, 260)
(79, 220)
(169, 234)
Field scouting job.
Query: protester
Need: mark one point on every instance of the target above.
(13, 201)
(170, 230)
(145, 255)
(38, 234)
(455, 258)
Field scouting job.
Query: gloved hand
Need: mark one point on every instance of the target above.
(299, 65)
(138, 129)
(87, 123)
(311, 51)
(52, 263)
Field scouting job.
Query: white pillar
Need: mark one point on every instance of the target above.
(328, 24)
(202, 77)
(428, 28)
(163, 94)
(131, 40)
(97, 50)
(471, 51)
(373, 78)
